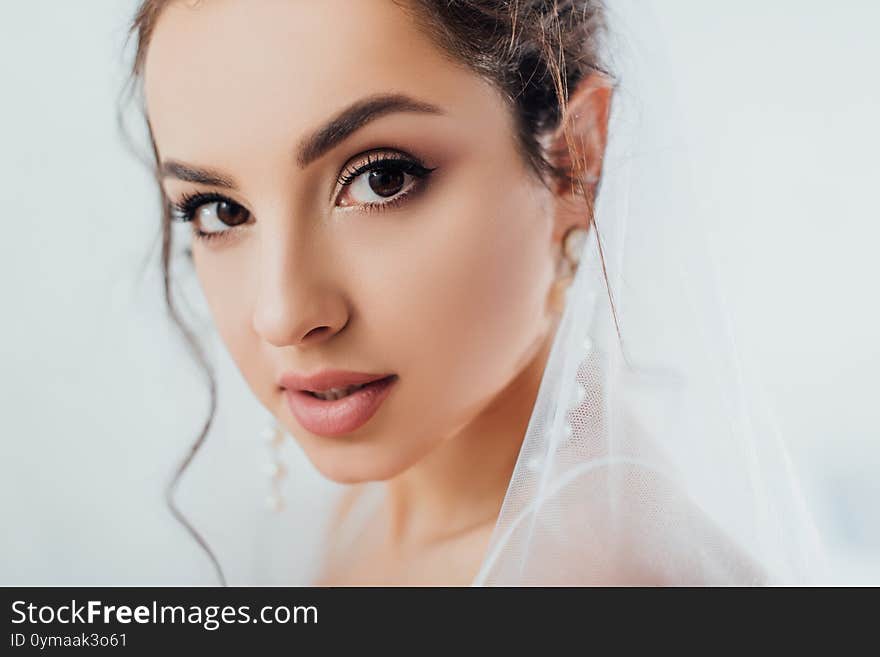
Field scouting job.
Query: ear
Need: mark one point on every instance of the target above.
(578, 146)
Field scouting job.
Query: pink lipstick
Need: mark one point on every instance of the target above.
(335, 402)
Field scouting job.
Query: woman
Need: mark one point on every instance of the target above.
(389, 202)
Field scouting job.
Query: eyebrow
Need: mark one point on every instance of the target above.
(353, 118)
(181, 171)
(335, 131)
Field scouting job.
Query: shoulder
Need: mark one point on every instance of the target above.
(621, 524)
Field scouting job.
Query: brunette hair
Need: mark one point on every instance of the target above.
(532, 51)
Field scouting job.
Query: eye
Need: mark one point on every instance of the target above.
(381, 181)
(212, 214)
(218, 216)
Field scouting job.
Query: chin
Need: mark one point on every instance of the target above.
(349, 464)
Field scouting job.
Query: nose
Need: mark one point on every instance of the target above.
(296, 302)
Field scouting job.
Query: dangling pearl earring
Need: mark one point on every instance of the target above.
(572, 246)
(273, 435)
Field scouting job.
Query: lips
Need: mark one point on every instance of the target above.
(327, 379)
(342, 411)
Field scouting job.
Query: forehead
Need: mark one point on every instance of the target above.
(256, 68)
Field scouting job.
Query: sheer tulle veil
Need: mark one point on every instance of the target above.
(650, 457)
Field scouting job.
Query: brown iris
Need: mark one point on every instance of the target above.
(231, 214)
(386, 181)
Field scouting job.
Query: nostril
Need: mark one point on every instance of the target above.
(318, 330)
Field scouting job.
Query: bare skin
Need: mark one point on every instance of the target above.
(455, 287)
(452, 554)
(371, 559)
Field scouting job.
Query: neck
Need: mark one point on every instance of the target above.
(461, 484)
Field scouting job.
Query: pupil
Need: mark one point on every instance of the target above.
(386, 182)
(231, 214)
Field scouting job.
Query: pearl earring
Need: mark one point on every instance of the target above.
(273, 435)
(573, 244)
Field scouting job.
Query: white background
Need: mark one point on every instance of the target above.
(100, 398)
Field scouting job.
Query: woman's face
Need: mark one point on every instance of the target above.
(435, 268)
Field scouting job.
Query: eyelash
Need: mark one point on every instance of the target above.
(401, 163)
(184, 210)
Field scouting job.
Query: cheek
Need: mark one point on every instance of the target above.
(226, 282)
(466, 301)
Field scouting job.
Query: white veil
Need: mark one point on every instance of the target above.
(648, 458)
